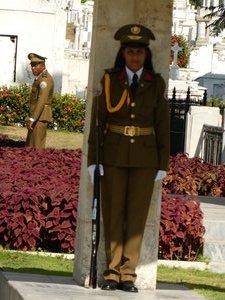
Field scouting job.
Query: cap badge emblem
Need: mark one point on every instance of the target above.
(135, 30)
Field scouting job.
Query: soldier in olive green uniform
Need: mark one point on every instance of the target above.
(40, 103)
(134, 120)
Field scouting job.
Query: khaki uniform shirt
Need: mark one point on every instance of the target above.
(148, 108)
(41, 97)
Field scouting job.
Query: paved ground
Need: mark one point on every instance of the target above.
(17, 286)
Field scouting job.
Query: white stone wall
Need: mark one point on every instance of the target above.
(75, 76)
(40, 28)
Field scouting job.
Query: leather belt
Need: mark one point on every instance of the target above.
(131, 130)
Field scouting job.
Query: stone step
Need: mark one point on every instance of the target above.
(214, 250)
(217, 267)
(214, 230)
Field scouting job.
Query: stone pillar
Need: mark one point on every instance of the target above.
(108, 17)
(202, 31)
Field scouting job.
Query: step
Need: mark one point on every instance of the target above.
(214, 250)
(217, 267)
(214, 230)
(20, 286)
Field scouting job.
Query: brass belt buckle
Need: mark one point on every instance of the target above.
(129, 130)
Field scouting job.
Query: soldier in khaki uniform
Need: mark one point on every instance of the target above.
(40, 102)
(134, 120)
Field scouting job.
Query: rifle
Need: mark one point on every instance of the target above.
(95, 209)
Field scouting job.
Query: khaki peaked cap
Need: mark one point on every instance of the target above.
(33, 57)
(134, 34)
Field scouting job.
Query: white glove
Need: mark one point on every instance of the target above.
(160, 175)
(91, 171)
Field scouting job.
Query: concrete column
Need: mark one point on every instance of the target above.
(108, 17)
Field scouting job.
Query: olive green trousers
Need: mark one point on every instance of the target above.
(36, 138)
(126, 196)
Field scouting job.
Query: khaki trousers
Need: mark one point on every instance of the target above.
(36, 138)
(126, 196)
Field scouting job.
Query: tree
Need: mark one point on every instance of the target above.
(199, 3)
(218, 14)
(196, 3)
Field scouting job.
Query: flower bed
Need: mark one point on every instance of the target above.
(38, 198)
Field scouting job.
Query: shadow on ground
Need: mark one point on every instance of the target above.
(5, 141)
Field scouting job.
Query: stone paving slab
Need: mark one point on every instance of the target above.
(20, 286)
(213, 208)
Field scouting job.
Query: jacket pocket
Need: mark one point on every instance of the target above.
(46, 114)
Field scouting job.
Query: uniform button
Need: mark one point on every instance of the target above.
(133, 104)
(126, 82)
(132, 116)
(132, 141)
(142, 84)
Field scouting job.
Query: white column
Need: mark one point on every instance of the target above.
(108, 17)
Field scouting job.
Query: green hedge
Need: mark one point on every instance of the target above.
(68, 110)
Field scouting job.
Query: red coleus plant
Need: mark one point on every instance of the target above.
(38, 198)
(181, 230)
(193, 176)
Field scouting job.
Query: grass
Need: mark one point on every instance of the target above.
(210, 285)
(55, 139)
(35, 264)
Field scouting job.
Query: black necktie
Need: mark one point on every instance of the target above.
(134, 83)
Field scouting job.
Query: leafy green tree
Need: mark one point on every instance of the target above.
(218, 14)
(196, 3)
(199, 3)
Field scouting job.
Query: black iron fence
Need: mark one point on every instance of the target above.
(178, 112)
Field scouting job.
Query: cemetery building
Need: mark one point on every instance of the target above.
(64, 36)
(31, 26)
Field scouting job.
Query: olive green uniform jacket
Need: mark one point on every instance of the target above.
(40, 109)
(148, 109)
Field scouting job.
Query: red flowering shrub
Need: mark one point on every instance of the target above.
(38, 198)
(181, 230)
(68, 110)
(14, 107)
(183, 54)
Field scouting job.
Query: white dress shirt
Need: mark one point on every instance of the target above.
(130, 74)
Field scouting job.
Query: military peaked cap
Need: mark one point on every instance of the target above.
(135, 35)
(33, 57)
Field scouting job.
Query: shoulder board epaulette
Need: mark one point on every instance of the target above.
(44, 74)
